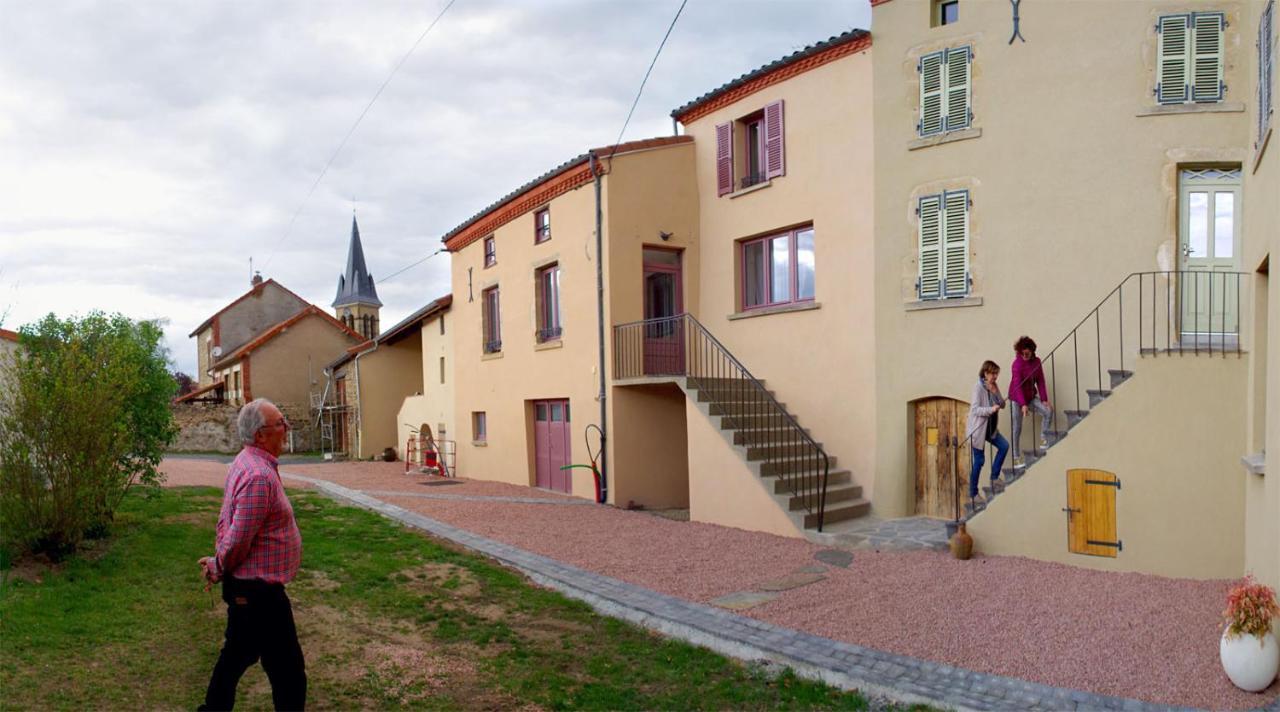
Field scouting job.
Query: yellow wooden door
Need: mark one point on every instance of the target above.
(1091, 513)
(939, 426)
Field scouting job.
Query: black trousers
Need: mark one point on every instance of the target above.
(259, 626)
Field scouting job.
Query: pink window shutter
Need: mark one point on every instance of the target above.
(775, 161)
(724, 159)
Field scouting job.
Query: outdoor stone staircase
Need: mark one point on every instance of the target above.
(755, 436)
(1028, 458)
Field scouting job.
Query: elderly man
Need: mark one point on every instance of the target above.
(257, 551)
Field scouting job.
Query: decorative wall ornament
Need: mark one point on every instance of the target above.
(1017, 32)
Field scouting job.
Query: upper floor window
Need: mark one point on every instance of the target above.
(542, 225)
(945, 91)
(1189, 58)
(490, 251)
(944, 245)
(945, 12)
(491, 320)
(1266, 69)
(548, 303)
(778, 269)
(750, 150)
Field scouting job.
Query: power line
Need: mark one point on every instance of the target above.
(646, 77)
(352, 130)
(415, 264)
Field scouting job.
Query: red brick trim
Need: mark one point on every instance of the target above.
(878, 2)
(269, 334)
(8, 335)
(780, 74)
(244, 378)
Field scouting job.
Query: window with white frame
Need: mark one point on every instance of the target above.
(1266, 70)
(943, 245)
(945, 91)
(778, 269)
(1189, 58)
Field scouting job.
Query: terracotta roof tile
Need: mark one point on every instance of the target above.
(200, 391)
(8, 335)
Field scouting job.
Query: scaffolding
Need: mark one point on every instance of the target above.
(333, 420)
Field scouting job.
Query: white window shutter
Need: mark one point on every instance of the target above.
(1173, 60)
(931, 94)
(1265, 70)
(1207, 60)
(957, 87)
(929, 282)
(955, 234)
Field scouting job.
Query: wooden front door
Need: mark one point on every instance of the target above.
(938, 420)
(1091, 513)
(1208, 247)
(551, 445)
(663, 297)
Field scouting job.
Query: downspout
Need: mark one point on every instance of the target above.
(602, 395)
(359, 423)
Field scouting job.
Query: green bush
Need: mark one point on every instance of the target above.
(84, 416)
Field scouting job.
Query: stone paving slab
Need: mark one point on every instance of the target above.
(899, 678)
(786, 583)
(835, 557)
(468, 497)
(742, 600)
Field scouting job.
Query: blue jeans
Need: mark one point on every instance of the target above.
(980, 457)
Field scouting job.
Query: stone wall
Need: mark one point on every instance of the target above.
(208, 427)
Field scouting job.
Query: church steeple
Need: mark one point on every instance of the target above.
(357, 302)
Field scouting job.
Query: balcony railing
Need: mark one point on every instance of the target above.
(751, 179)
(550, 333)
(493, 347)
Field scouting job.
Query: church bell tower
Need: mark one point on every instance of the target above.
(357, 303)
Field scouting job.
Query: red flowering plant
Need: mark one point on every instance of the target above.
(1250, 608)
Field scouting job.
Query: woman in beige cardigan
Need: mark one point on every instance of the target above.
(984, 407)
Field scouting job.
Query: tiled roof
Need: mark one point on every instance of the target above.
(415, 319)
(816, 55)
(255, 289)
(8, 335)
(200, 391)
(571, 174)
(273, 332)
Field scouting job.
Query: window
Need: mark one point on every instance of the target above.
(945, 12)
(442, 324)
(479, 428)
(442, 369)
(548, 303)
(542, 225)
(1266, 70)
(759, 157)
(491, 317)
(778, 269)
(944, 91)
(490, 252)
(944, 245)
(1189, 58)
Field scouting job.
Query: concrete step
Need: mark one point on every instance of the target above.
(836, 494)
(743, 408)
(1118, 376)
(1096, 396)
(794, 466)
(701, 382)
(845, 511)
(787, 446)
(834, 478)
(1074, 417)
(753, 436)
(745, 394)
(748, 421)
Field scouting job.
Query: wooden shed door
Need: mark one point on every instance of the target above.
(551, 447)
(1091, 513)
(937, 420)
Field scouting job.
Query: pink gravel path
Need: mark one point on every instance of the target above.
(1129, 635)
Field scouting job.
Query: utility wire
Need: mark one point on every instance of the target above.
(352, 130)
(415, 264)
(646, 78)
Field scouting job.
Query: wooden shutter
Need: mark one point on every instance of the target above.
(929, 283)
(724, 159)
(774, 161)
(1206, 84)
(1173, 59)
(1265, 70)
(930, 68)
(957, 81)
(1091, 513)
(955, 235)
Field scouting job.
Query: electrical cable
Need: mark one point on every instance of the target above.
(646, 78)
(415, 264)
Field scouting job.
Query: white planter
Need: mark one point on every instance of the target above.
(1251, 662)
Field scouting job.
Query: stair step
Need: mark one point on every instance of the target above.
(834, 478)
(792, 447)
(732, 395)
(709, 382)
(1097, 396)
(843, 512)
(794, 466)
(835, 495)
(753, 436)
(748, 421)
(1118, 376)
(743, 408)
(1074, 417)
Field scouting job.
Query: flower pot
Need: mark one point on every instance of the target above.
(1249, 661)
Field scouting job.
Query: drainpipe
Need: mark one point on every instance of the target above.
(602, 395)
(359, 431)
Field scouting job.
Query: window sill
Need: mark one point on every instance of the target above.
(751, 189)
(779, 309)
(479, 443)
(1255, 464)
(930, 304)
(491, 264)
(949, 137)
(549, 345)
(1262, 148)
(491, 356)
(1223, 107)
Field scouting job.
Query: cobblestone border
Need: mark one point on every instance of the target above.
(898, 678)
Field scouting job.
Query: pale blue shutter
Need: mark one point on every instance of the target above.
(1173, 60)
(929, 281)
(1207, 60)
(957, 88)
(1265, 70)
(931, 96)
(955, 234)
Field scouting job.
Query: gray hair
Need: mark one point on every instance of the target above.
(251, 420)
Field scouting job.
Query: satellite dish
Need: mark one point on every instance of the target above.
(217, 351)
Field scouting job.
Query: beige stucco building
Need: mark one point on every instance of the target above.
(266, 304)
(434, 406)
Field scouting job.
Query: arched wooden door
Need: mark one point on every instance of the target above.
(937, 421)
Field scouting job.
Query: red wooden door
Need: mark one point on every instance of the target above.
(663, 297)
(551, 447)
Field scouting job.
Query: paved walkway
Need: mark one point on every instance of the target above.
(905, 534)
(897, 677)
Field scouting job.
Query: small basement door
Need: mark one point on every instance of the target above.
(1091, 513)
(937, 421)
(551, 434)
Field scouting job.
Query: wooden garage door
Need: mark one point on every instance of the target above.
(1091, 513)
(938, 420)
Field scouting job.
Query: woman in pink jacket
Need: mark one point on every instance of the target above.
(1027, 390)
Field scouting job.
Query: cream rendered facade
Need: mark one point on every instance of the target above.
(1072, 173)
(434, 405)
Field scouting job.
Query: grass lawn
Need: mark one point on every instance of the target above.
(387, 618)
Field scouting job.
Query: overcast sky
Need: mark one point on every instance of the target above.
(149, 148)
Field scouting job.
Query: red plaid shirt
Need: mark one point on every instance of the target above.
(257, 536)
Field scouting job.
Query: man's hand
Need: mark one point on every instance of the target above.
(208, 571)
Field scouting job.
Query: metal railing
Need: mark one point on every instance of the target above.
(751, 179)
(681, 346)
(549, 333)
(1148, 313)
(493, 347)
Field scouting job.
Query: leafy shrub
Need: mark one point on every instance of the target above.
(1250, 608)
(84, 416)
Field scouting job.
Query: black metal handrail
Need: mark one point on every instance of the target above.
(492, 347)
(1181, 287)
(681, 346)
(549, 333)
